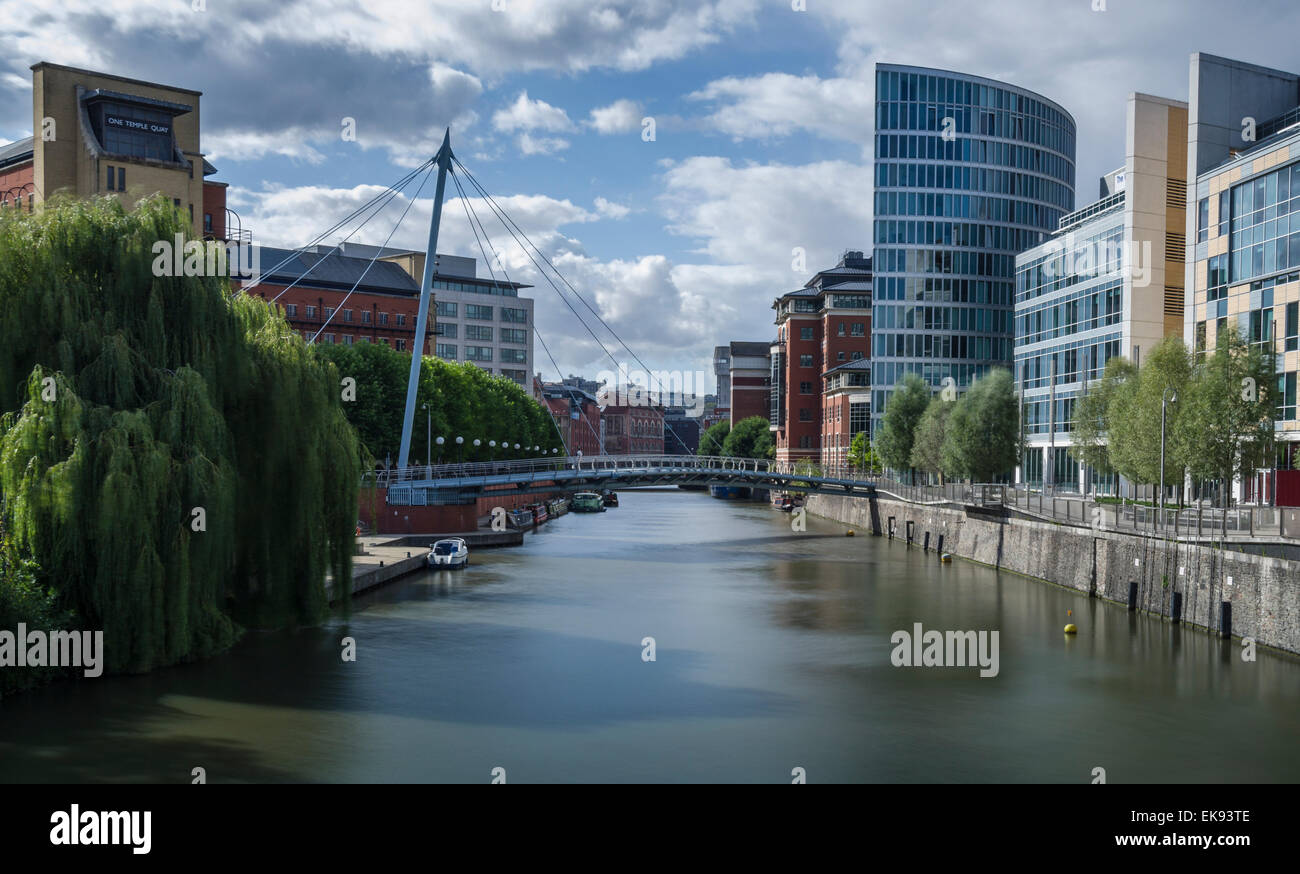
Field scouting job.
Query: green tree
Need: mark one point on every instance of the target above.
(862, 455)
(174, 459)
(714, 438)
(931, 432)
(751, 438)
(1226, 425)
(1134, 415)
(1092, 414)
(898, 427)
(983, 439)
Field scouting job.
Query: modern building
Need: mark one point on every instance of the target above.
(100, 134)
(634, 429)
(969, 173)
(1108, 282)
(483, 321)
(1243, 271)
(821, 326)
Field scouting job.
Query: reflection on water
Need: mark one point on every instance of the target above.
(772, 652)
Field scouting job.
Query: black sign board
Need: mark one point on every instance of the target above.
(131, 124)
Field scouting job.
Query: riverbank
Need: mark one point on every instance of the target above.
(1262, 593)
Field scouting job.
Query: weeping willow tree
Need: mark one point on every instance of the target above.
(174, 460)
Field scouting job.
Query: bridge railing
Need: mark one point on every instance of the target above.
(532, 467)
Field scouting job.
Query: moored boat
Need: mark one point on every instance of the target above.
(588, 502)
(449, 553)
(540, 513)
(609, 498)
(522, 518)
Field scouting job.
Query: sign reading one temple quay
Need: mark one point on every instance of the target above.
(133, 124)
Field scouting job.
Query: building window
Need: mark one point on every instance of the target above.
(514, 356)
(478, 332)
(805, 333)
(329, 313)
(207, 223)
(805, 361)
(1203, 220)
(329, 338)
(805, 388)
(517, 375)
(347, 339)
(478, 353)
(383, 318)
(842, 332)
(1292, 326)
(839, 356)
(445, 329)
(401, 318)
(514, 335)
(1286, 391)
(311, 312)
(347, 315)
(513, 314)
(446, 350)
(857, 356)
(365, 317)
(401, 344)
(446, 309)
(291, 310)
(805, 414)
(1223, 212)
(475, 311)
(859, 329)
(1263, 237)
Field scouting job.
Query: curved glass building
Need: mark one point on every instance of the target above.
(969, 172)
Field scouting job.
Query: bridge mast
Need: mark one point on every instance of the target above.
(443, 159)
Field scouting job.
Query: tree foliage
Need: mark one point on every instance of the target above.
(1092, 414)
(931, 433)
(898, 427)
(1133, 415)
(714, 438)
(130, 401)
(1227, 420)
(751, 438)
(462, 400)
(862, 455)
(983, 438)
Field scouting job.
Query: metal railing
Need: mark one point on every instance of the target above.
(594, 463)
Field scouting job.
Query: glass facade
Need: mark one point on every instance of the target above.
(969, 173)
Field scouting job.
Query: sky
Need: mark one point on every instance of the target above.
(762, 125)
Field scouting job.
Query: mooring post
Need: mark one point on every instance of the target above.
(1176, 611)
(939, 547)
(1225, 620)
(926, 546)
(1132, 595)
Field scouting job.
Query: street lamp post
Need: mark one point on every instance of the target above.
(428, 435)
(1165, 399)
(492, 451)
(441, 440)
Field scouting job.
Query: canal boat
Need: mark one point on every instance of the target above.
(609, 498)
(540, 514)
(558, 507)
(450, 553)
(522, 518)
(588, 502)
(786, 504)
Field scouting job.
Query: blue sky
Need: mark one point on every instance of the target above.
(763, 122)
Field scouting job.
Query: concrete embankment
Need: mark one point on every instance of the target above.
(385, 558)
(1263, 592)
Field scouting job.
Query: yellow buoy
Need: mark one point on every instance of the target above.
(848, 533)
(1070, 629)
(946, 557)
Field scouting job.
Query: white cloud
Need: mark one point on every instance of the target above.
(779, 104)
(608, 209)
(531, 145)
(621, 116)
(525, 114)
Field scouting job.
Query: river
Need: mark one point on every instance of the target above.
(771, 653)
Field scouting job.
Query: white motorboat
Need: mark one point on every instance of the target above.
(449, 553)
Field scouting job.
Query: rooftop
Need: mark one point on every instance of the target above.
(336, 271)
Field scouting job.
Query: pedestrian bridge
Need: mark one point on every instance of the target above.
(463, 483)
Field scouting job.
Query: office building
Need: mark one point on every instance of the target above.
(969, 172)
(1108, 282)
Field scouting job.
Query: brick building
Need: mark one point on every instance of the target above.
(820, 327)
(577, 416)
(633, 430)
